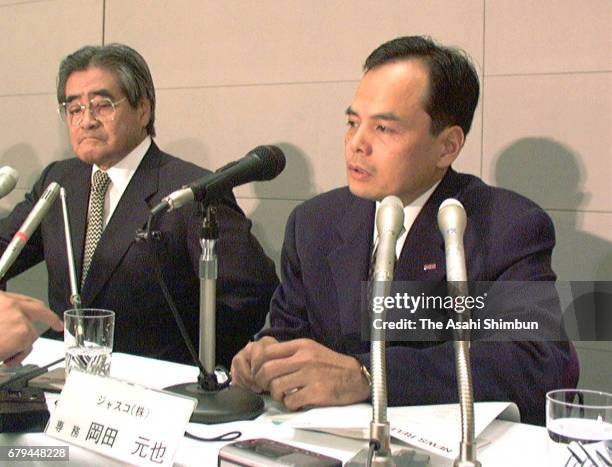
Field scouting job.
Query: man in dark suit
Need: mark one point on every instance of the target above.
(107, 99)
(406, 126)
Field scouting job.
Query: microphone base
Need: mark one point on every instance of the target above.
(401, 457)
(224, 405)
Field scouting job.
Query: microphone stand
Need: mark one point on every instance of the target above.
(379, 453)
(463, 368)
(452, 226)
(389, 221)
(218, 402)
(75, 298)
(208, 289)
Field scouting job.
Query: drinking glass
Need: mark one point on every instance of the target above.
(579, 424)
(88, 340)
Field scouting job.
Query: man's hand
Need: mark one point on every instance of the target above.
(241, 371)
(302, 373)
(17, 331)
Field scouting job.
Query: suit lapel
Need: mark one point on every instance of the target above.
(130, 215)
(349, 261)
(77, 201)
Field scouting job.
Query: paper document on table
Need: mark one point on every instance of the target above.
(434, 428)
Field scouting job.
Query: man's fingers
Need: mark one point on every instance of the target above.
(260, 365)
(274, 369)
(310, 394)
(25, 333)
(17, 358)
(239, 379)
(295, 400)
(36, 311)
(287, 384)
(258, 352)
(274, 351)
(241, 369)
(33, 308)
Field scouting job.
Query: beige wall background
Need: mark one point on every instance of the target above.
(236, 74)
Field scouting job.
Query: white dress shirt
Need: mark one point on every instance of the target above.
(410, 214)
(120, 175)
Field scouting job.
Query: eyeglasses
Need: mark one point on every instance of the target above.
(101, 108)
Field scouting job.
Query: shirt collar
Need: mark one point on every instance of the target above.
(411, 212)
(121, 173)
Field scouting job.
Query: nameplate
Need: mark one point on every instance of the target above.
(125, 421)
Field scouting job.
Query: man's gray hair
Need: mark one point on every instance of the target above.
(125, 63)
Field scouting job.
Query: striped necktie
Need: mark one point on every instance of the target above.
(95, 219)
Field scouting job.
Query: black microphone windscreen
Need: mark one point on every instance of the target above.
(273, 161)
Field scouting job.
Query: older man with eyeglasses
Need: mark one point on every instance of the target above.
(107, 99)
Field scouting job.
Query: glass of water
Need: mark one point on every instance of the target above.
(579, 424)
(88, 340)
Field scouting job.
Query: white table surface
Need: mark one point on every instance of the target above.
(512, 444)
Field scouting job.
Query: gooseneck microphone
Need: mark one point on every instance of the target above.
(389, 225)
(260, 164)
(8, 180)
(452, 222)
(33, 220)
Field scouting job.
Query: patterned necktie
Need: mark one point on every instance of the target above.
(95, 219)
(373, 260)
(371, 268)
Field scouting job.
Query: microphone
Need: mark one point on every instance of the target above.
(8, 180)
(389, 224)
(260, 164)
(452, 222)
(33, 220)
(75, 298)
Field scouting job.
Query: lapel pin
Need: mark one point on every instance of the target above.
(429, 267)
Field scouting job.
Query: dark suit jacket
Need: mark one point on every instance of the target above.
(508, 238)
(121, 275)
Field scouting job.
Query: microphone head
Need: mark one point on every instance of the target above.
(272, 162)
(52, 192)
(451, 217)
(390, 216)
(8, 180)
